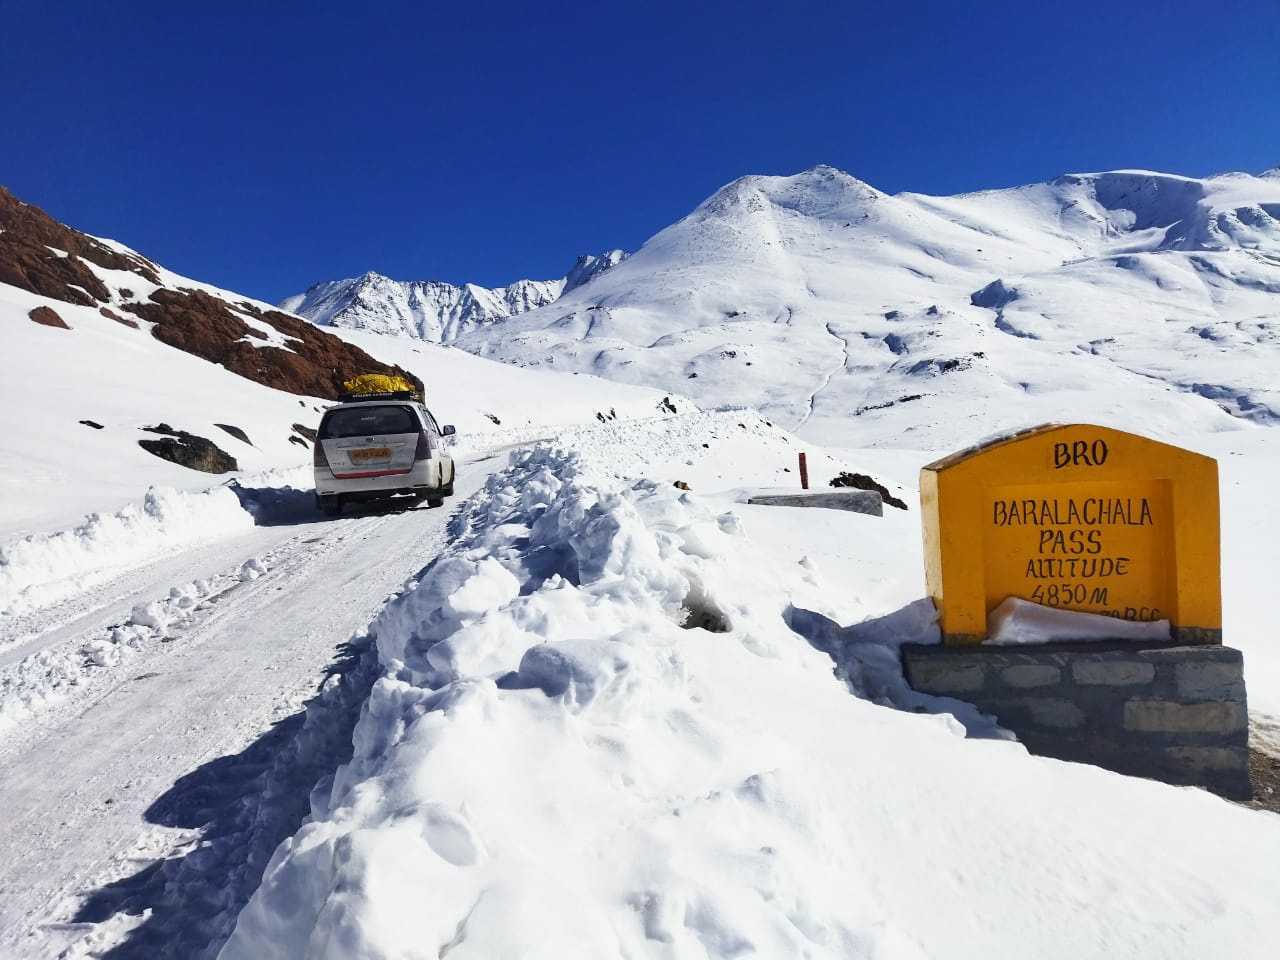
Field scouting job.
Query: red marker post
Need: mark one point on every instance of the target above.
(804, 472)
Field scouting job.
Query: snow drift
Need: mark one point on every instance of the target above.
(596, 735)
(39, 569)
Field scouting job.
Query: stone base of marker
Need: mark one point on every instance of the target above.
(855, 501)
(1170, 713)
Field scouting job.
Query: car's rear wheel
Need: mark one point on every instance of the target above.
(330, 505)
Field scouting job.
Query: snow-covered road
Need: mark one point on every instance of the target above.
(91, 787)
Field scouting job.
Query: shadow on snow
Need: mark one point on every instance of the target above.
(292, 506)
(867, 658)
(240, 807)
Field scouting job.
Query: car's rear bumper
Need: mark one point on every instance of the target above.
(423, 478)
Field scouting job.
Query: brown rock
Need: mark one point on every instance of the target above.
(112, 315)
(48, 317)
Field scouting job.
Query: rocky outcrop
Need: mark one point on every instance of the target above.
(188, 450)
(860, 481)
(45, 257)
(315, 364)
(994, 296)
(26, 235)
(590, 266)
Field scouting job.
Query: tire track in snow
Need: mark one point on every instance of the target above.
(95, 800)
(62, 675)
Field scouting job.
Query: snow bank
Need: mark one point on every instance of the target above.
(596, 735)
(1019, 621)
(42, 568)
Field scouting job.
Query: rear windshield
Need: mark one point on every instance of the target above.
(367, 421)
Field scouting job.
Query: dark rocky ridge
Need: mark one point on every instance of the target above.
(27, 262)
(194, 321)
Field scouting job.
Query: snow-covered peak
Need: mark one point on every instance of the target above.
(820, 191)
(822, 182)
(434, 309)
(591, 265)
(846, 312)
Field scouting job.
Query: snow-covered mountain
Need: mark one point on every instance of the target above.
(595, 713)
(857, 317)
(432, 309)
(153, 378)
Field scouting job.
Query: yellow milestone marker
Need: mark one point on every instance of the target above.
(1079, 517)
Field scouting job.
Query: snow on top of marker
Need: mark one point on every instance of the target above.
(1018, 621)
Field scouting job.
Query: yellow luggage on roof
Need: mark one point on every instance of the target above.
(378, 383)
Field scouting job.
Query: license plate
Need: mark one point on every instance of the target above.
(370, 453)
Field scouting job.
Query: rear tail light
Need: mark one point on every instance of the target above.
(318, 458)
(424, 447)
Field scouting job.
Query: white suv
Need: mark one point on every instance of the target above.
(379, 447)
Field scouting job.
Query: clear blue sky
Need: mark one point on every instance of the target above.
(265, 146)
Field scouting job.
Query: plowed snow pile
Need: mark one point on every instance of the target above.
(40, 569)
(597, 736)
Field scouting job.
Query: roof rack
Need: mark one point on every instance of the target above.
(394, 395)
